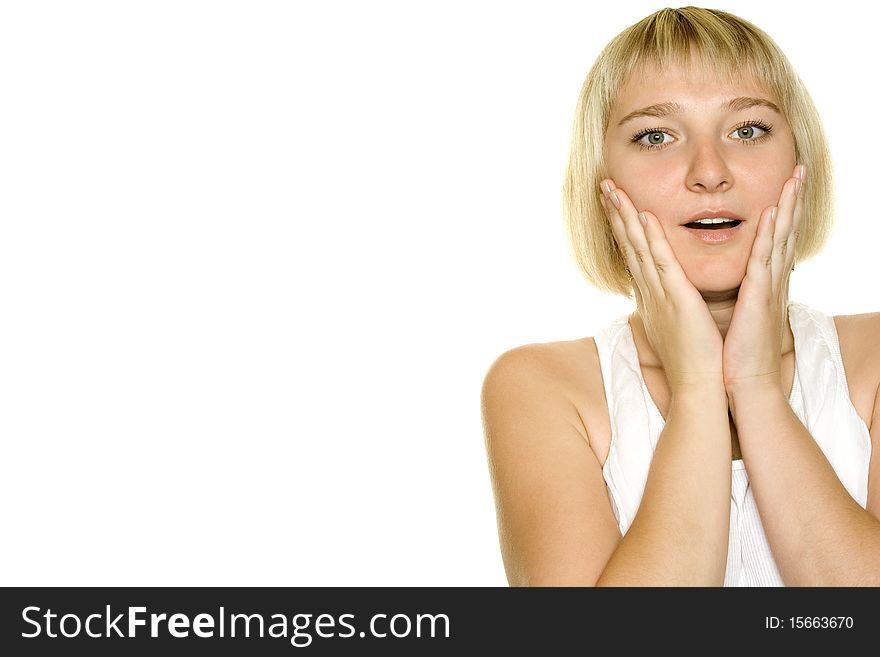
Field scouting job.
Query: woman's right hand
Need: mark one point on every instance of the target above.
(677, 320)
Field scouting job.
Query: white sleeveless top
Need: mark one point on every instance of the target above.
(819, 397)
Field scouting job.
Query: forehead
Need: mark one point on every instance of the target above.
(689, 87)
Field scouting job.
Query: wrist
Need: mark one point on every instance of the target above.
(760, 384)
(700, 394)
(754, 396)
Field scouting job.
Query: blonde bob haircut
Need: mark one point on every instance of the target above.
(712, 42)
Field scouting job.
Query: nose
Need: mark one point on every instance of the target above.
(708, 171)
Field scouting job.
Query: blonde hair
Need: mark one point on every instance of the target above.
(717, 43)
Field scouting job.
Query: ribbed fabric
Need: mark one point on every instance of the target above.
(819, 397)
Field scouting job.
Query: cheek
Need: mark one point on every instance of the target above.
(765, 178)
(767, 192)
(662, 197)
(650, 187)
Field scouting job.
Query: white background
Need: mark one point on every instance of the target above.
(256, 258)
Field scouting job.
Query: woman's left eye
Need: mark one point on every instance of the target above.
(747, 132)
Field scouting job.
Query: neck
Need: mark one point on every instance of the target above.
(721, 305)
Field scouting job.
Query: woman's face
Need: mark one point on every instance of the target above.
(708, 157)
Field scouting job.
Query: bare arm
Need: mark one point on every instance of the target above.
(555, 523)
(679, 536)
(820, 536)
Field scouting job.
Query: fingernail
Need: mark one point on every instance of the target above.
(803, 175)
(773, 213)
(606, 186)
(797, 187)
(643, 219)
(615, 200)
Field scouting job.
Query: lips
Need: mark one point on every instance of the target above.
(716, 237)
(711, 214)
(718, 226)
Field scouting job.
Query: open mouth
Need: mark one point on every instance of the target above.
(714, 233)
(720, 226)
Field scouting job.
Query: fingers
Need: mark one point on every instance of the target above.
(774, 248)
(798, 216)
(669, 270)
(648, 253)
(787, 226)
(631, 238)
(759, 269)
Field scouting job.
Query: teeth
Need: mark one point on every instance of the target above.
(715, 220)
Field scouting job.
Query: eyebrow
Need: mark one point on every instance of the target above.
(661, 110)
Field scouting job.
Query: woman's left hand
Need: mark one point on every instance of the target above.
(752, 347)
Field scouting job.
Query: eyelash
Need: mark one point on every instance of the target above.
(766, 127)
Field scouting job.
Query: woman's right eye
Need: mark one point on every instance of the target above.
(653, 135)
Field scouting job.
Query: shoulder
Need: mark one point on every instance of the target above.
(859, 345)
(862, 331)
(860, 352)
(560, 360)
(564, 373)
(565, 365)
(861, 323)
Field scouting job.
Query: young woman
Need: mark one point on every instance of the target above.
(720, 434)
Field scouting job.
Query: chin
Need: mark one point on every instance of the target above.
(716, 283)
(720, 288)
